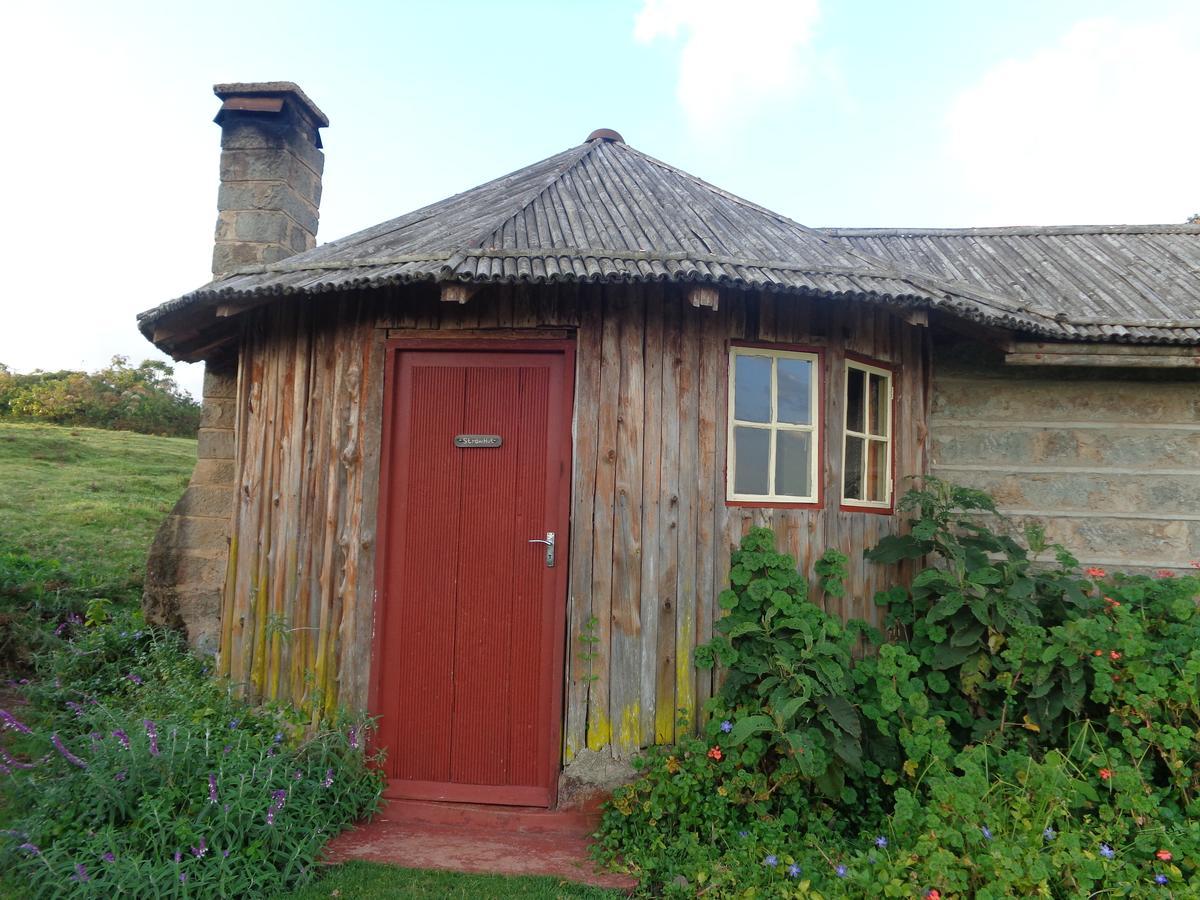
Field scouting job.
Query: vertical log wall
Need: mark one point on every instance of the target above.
(651, 534)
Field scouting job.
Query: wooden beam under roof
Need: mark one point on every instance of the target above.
(1101, 355)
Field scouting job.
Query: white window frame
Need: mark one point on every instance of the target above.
(886, 438)
(775, 426)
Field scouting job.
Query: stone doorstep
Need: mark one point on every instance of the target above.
(480, 839)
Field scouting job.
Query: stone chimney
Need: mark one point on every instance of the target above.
(271, 164)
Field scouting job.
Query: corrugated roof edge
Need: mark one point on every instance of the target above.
(1000, 231)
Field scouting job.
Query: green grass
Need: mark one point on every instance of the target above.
(88, 498)
(370, 880)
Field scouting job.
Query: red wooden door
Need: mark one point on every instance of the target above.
(469, 643)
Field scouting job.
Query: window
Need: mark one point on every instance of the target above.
(773, 441)
(867, 452)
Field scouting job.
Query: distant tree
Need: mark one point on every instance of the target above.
(143, 398)
(1194, 219)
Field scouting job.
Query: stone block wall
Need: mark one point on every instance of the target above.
(1108, 459)
(185, 574)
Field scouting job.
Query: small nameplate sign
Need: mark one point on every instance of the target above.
(478, 440)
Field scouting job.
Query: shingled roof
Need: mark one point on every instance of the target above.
(605, 212)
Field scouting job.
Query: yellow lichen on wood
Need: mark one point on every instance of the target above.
(685, 685)
(599, 733)
(629, 733)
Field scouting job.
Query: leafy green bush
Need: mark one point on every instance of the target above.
(1026, 729)
(143, 398)
(137, 773)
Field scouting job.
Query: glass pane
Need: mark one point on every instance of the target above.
(877, 471)
(795, 391)
(880, 407)
(751, 457)
(853, 475)
(793, 463)
(752, 388)
(855, 389)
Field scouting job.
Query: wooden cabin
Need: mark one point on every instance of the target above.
(479, 469)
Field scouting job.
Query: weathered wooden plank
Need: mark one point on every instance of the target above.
(689, 429)
(600, 729)
(625, 673)
(651, 496)
(588, 361)
(668, 522)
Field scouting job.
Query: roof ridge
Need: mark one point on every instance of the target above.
(1015, 230)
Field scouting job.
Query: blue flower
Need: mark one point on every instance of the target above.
(840, 871)
(727, 726)
(1107, 852)
(743, 834)
(1160, 878)
(233, 723)
(881, 842)
(1049, 834)
(794, 870)
(279, 737)
(771, 860)
(987, 832)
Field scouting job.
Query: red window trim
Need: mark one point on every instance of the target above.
(892, 369)
(818, 430)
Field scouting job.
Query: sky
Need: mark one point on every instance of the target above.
(835, 113)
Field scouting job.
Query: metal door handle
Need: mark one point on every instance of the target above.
(549, 542)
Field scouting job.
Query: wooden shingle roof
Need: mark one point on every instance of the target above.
(605, 212)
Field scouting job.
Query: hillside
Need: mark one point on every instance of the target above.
(88, 498)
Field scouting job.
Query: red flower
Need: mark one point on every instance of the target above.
(1114, 655)
(1112, 604)
(1164, 855)
(933, 894)
(1165, 573)
(1098, 652)
(1105, 774)
(1195, 563)
(1095, 572)
(714, 753)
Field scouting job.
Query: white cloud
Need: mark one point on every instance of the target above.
(1099, 127)
(736, 57)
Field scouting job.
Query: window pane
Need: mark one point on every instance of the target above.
(880, 407)
(877, 471)
(752, 450)
(795, 391)
(855, 388)
(793, 458)
(752, 388)
(853, 475)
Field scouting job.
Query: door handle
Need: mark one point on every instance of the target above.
(548, 540)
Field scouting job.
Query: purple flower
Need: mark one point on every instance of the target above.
(727, 726)
(11, 721)
(228, 748)
(80, 873)
(60, 630)
(11, 763)
(794, 870)
(987, 832)
(328, 782)
(31, 849)
(298, 775)
(225, 853)
(178, 856)
(122, 738)
(121, 776)
(1160, 878)
(75, 708)
(152, 733)
(271, 751)
(66, 754)
(352, 737)
(840, 871)
(278, 798)
(1049, 834)
(183, 877)
(135, 678)
(881, 842)
(1107, 852)
(108, 857)
(771, 860)
(201, 851)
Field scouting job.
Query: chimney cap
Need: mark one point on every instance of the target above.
(271, 89)
(605, 134)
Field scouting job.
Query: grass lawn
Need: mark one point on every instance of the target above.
(369, 880)
(88, 498)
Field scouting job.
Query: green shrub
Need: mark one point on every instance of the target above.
(137, 773)
(1026, 729)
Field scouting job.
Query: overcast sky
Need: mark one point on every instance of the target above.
(832, 112)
